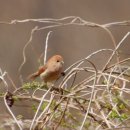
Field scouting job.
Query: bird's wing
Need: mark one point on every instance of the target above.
(42, 69)
(36, 74)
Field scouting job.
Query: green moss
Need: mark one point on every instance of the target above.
(44, 105)
(54, 105)
(87, 124)
(124, 116)
(113, 115)
(2, 94)
(68, 125)
(15, 98)
(34, 108)
(108, 106)
(121, 106)
(34, 85)
(104, 82)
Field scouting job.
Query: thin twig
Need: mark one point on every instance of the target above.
(41, 102)
(11, 112)
(46, 46)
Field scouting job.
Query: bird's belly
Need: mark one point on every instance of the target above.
(49, 77)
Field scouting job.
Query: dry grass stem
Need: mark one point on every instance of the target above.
(99, 100)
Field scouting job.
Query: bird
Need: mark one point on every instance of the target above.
(51, 71)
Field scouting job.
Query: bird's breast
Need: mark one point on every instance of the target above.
(49, 76)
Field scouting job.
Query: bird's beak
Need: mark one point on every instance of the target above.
(62, 62)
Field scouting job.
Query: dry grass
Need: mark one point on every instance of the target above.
(100, 101)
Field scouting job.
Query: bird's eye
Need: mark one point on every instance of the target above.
(58, 61)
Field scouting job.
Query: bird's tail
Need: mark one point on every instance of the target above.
(33, 76)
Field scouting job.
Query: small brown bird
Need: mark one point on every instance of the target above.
(51, 70)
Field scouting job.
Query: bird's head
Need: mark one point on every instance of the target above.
(56, 61)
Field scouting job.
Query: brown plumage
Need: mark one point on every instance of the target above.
(51, 70)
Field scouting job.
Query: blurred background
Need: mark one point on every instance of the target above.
(72, 42)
